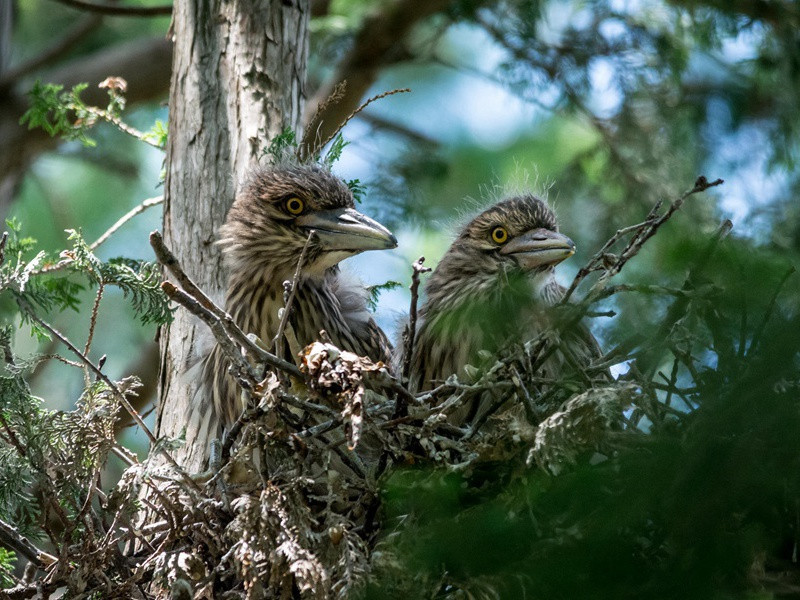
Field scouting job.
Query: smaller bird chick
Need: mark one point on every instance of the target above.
(489, 291)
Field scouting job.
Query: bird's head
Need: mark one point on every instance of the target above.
(515, 239)
(272, 217)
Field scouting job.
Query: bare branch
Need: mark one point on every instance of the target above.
(277, 341)
(411, 329)
(118, 11)
(3, 242)
(125, 218)
(242, 370)
(611, 264)
(93, 319)
(167, 258)
(313, 141)
(12, 538)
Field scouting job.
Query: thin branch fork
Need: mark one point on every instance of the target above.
(167, 258)
(242, 370)
(137, 210)
(642, 232)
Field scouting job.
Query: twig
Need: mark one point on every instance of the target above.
(93, 318)
(321, 144)
(121, 125)
(106, 235)
(12, 538)
(118, 11)
(125, 218)
(277, 341)
(417, 269)
(12, 437)
(243, 371)
(611, 265)
(123, 400)
(167, 258)
(305, 148)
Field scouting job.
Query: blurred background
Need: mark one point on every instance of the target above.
(604, 107)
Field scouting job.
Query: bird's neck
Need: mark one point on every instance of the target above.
(453, 286)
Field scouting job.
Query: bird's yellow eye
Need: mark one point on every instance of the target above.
(499, 235)
(294, 206)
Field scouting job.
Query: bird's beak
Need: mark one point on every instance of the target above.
(347, 230)
(538, 248)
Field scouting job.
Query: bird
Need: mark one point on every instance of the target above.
(265, 232)
(490, 290)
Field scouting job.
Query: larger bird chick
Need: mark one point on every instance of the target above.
(490, 290)
(262, 239)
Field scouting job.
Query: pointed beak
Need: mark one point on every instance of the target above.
(345, 229)
(538, 248)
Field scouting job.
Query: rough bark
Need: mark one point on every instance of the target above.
(238, 73)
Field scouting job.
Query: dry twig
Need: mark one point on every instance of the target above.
(277, 341)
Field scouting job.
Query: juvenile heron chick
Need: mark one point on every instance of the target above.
(262, 240)
(489, 291)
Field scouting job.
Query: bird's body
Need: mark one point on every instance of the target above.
(492, 289)
(263, 237)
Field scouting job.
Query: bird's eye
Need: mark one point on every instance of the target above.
(499, 235)
(294, 206)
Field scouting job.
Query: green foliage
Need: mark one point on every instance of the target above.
(139, 280)
(334, 153)
(7, 560)
(28, 279)
(55, 454)
(374, 292)
(281, 146)
(358, 189)
(700, 504)
(157, 134)
(58, 112)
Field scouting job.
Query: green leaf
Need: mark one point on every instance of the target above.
(374, 292)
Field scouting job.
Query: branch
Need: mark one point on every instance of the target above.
(118, 11)
(411, 329)
(144, 63)
(125, 218)
(611, 264)
(277, 341)
(10, 537)
(167, 258)
(243, 372)
(53, 53)
(104, 237)
(313, 142)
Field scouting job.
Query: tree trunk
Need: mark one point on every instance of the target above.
(237, 80)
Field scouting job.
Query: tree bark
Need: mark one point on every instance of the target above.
(237, 80)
